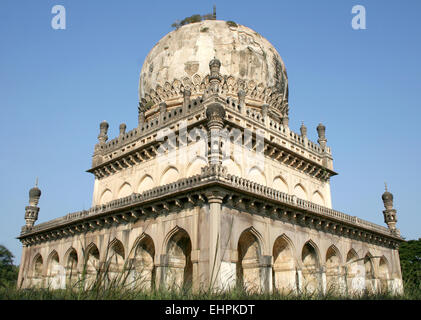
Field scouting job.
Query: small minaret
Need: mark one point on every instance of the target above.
(389, 213)
(215, 76)
(103, 130)
(31, 211)
(321, 131)
(303, 130)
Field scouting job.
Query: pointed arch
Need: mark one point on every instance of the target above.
(318, 198)
(300, 191)
(180, 268)
(125, 190)
(37, 270)
(352, 269)
(310, 257)
(145, 183)
(384, 274)
(37, 265)
(92, 257)
(106, 196)
(195, 166)
(233, 168)
(169, 175)
(333, 271)
(143, 262)
(249, 256)
(370, 285)
(256, 175)
(280, 184)
(284, 265)
(71, 261)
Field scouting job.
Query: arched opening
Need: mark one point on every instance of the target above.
(180, 268)
(92, 264)
(311, 269)
(300, 192)
(280, 185)
(284, 272)
(37, 266)
(115, 261)
(71, 268)
(383, 275)
(333, 271)
(369, 274)
(55, 272)
(248, 265)
(145, 184)
(125, 190)
(353, 272)
(143, 263)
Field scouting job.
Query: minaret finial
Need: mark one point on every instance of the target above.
(36, 182)
(385, 186)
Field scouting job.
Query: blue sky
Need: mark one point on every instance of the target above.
(56, 86)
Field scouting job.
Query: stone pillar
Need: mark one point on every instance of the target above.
(266, 270)
(161, 271)
(215, 198)
(303, 130)
(323, 281)
(299, 281)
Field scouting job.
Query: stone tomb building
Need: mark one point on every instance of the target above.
(212, 188)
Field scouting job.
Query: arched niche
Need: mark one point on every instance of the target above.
(300, 192)
(115, 260)
(248, 265)
(284, 268)
(106, 197)
(55, 272)
(125, 190)
(180, 268)
(233, 168)
(196, 166)
(257, 176)
(311, 268)
(91, 265)
(280, 184)
(317, 198)
(170, 175)
(146, 183)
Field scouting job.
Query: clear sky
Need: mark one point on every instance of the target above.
(56, 86)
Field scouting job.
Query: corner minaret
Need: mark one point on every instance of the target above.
(389, 213)
(31, 211)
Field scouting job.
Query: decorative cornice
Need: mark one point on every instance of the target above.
(191, 191)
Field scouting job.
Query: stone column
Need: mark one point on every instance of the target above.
(299, 281)
(161, 271)
(215, 198)
(322, 280)
(241, 101)
(186, 100)
(266, 271)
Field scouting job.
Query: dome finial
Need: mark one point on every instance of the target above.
(385, 186)
(36, 182)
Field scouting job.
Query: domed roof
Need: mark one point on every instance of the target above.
(184, 54)
(387, 196)
(34, 192)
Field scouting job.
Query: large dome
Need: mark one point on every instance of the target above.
(182, 58)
